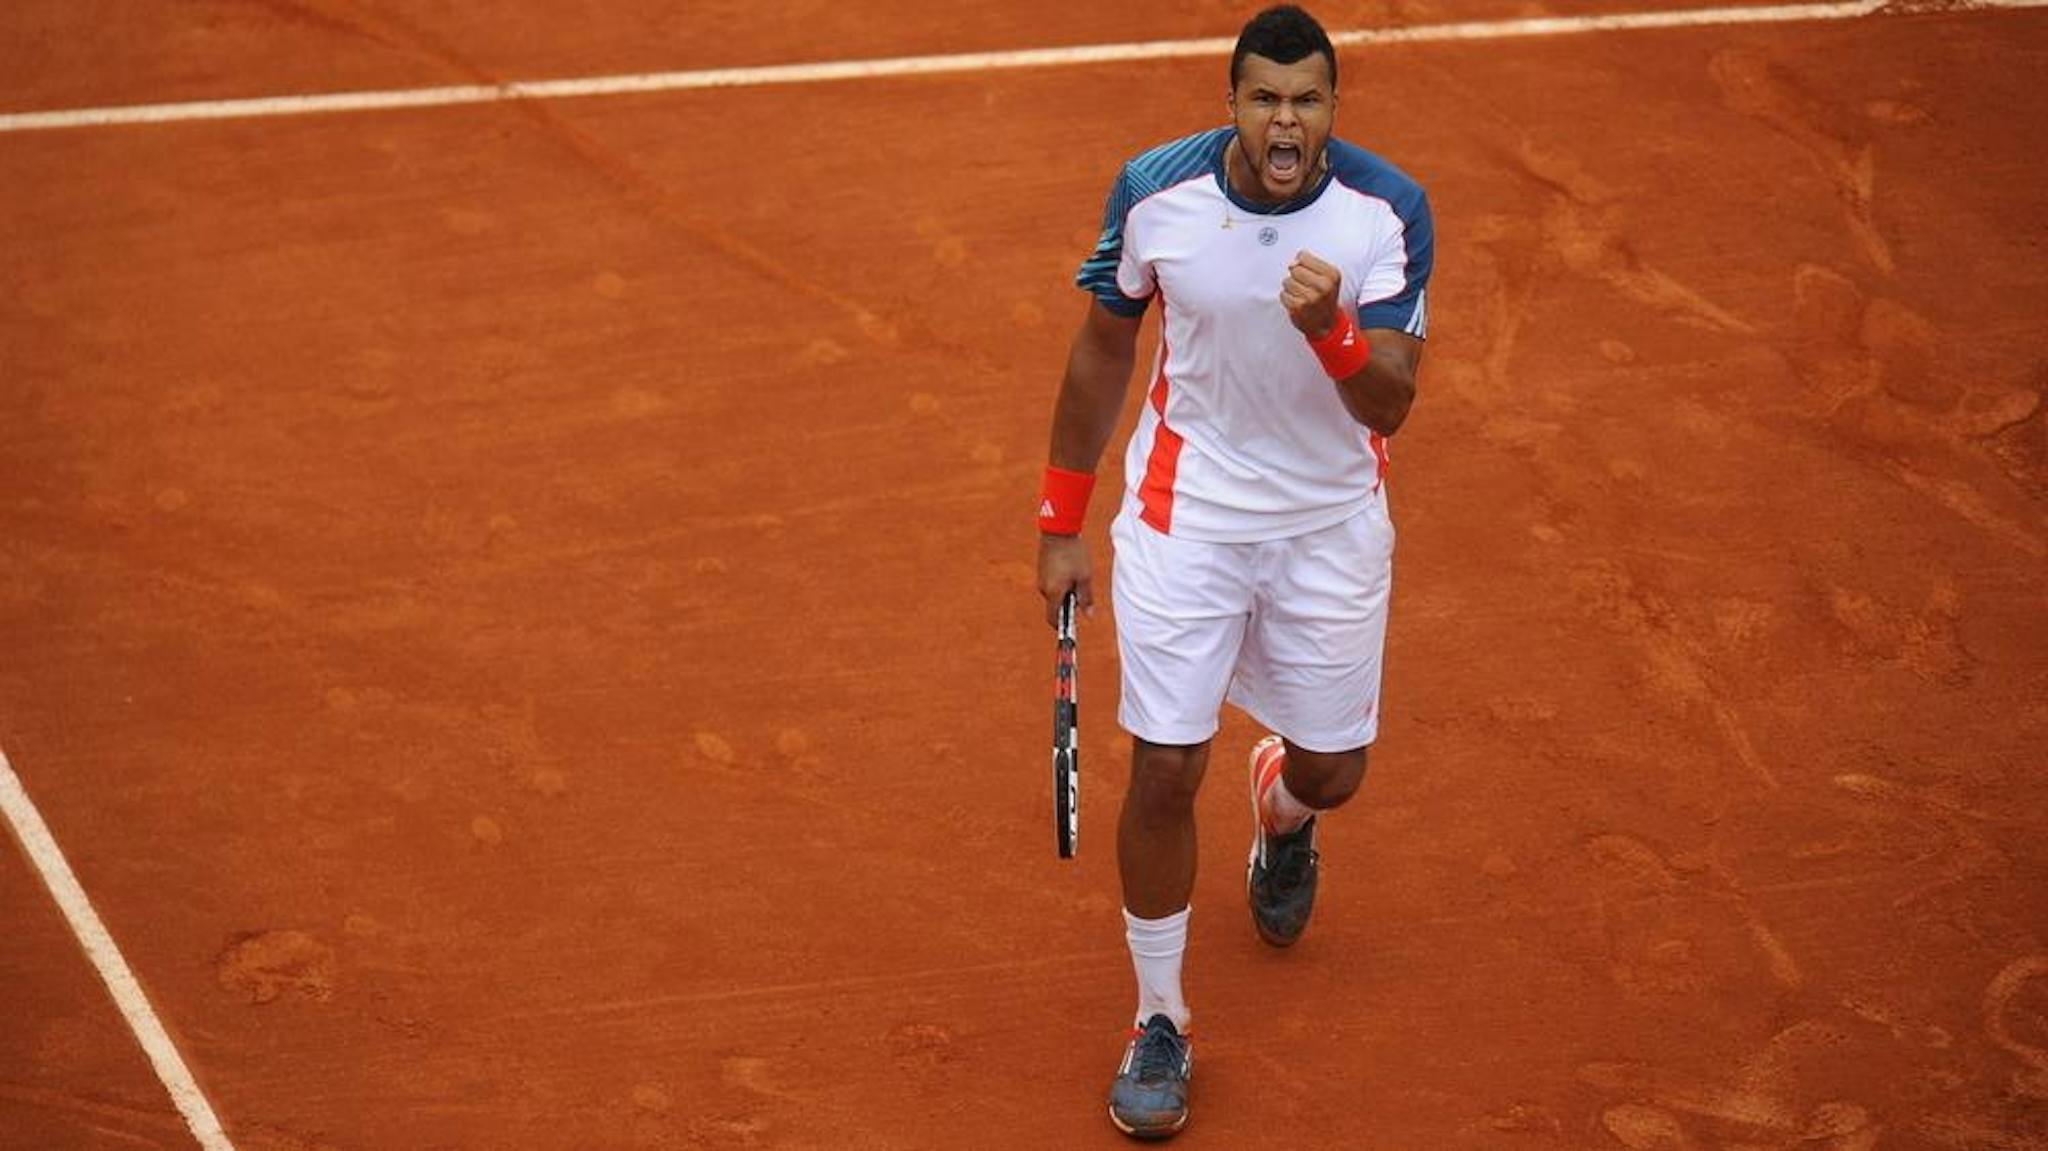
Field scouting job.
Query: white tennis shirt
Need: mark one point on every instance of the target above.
(1242, 436)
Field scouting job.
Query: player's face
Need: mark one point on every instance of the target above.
(1283, 114)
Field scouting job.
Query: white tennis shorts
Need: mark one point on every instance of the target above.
(1290, 630)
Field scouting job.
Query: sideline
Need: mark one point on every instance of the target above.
(42, 851)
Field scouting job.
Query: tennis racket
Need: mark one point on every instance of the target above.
(1066, 749)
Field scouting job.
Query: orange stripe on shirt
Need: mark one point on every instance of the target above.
(1378, 443)
(1156, 493)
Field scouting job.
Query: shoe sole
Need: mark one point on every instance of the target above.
(1258, 840)
(1258, 826)
(1148, 1132)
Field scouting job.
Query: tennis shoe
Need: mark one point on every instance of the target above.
(1280, 877)
(1149, 1099)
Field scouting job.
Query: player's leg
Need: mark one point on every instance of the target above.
(1283, 870)
(1311, 781)
(1155, 832)
(1181, 614)
(1155, 854)
(1311, 671)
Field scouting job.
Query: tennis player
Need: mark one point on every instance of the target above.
(1253, 547)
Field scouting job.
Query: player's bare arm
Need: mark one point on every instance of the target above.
(1380, 393)
(1091, 397)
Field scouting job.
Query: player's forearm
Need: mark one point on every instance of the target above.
(1091, 397)
(1380, 394)
(1378, 398)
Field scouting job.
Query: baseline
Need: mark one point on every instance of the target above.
(818, 73)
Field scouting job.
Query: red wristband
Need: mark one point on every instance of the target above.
(1342, 349)
(1063, 501)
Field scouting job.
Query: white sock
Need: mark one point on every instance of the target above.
(1284, 813)
(1156, 948)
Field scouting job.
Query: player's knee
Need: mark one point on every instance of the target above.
(1324, 780)
(1165, 781)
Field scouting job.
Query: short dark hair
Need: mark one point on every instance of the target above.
(1283, 34)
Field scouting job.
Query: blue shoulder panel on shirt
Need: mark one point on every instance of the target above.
(1151, 172)
(1361, 171)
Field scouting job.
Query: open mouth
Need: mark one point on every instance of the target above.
(1283, 162)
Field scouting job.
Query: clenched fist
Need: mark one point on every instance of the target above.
(1310, 294)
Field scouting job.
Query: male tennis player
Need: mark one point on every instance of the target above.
(1253, 548)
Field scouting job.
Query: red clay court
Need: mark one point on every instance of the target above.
(518, 614)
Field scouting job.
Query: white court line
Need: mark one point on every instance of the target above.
(934, 65)
(50, 863)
